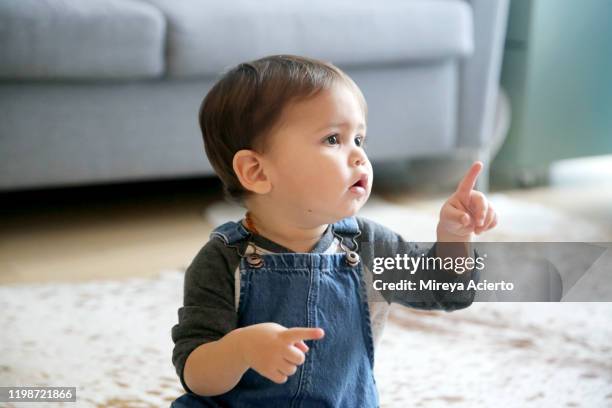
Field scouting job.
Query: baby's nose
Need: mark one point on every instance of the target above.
(359, 159)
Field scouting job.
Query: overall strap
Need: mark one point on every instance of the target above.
(230, 232)
(346, 226)
(347, 230)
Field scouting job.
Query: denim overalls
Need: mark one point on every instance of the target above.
(323, 290)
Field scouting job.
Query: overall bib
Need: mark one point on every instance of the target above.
(323, 290)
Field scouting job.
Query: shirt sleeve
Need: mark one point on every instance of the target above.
(380, 242)
(208, 312)
(460, 297)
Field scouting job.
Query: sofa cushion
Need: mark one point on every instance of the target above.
(206, 36)
(65, 39)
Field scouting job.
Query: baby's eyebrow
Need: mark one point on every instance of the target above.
(361, 126)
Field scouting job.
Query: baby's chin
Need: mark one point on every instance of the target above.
(344, 209)
(355, 206)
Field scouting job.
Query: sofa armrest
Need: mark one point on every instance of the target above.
(479, 74)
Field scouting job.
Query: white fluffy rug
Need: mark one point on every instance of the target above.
(112, 339)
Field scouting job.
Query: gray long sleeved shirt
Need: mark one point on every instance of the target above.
(212, 286)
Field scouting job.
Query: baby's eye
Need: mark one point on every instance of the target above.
(332, 140)
(360, 141)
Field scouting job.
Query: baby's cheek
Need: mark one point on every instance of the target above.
(304, 177)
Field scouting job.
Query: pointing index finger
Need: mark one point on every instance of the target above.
(304, 333)
(469, 180)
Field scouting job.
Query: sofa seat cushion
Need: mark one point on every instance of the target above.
(207, 36)
(80, 39)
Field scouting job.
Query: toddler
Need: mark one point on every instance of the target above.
(277, 307)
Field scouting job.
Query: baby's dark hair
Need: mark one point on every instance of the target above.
(247, 102)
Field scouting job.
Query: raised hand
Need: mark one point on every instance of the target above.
(275, 351)
(467, 211)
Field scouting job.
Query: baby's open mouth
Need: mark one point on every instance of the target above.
(359, 183)
(360, 186)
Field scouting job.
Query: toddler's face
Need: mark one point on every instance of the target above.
(318, 168)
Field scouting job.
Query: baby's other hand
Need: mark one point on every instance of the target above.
(275, 351)
(466, 211)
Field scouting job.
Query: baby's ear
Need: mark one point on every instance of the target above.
(250, 171)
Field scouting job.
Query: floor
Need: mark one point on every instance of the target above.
(129, 230)
(537, 354)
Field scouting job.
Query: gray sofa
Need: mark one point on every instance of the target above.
(102, 91)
